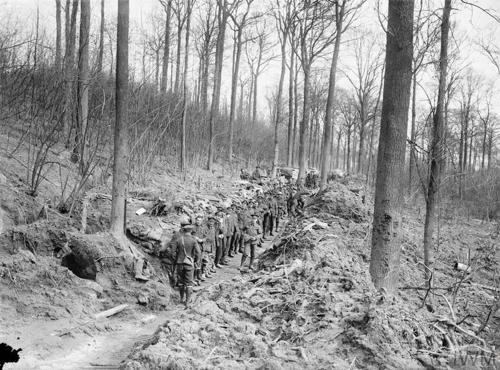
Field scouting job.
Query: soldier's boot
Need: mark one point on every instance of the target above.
(189, 292)
(201, 275)
(182, 293)
(243, 259)
(251, 263)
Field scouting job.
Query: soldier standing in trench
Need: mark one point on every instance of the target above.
(187, 253)
(251, 240)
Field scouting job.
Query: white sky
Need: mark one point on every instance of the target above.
(472, 23)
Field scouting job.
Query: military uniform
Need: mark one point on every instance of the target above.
(251, 240)
(187, 254)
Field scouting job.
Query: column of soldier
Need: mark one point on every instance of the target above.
(205, 243)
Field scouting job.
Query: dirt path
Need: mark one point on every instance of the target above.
(103, 346)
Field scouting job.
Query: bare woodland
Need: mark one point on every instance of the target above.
(99, 104)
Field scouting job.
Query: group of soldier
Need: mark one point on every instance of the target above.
(205, 242)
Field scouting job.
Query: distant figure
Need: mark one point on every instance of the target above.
(244, 175)
(256, 174)
(336, 174)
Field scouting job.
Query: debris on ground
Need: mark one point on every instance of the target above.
(311, 305)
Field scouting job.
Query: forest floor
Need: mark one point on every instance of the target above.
(311, 304)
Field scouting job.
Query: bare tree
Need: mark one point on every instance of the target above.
(83, 84)
(364, 81)
(341, 24)
(58, 35)
(205, 44)
(120, 151)
(259, 54)
(240, 21)
(283, 18)
(69, 61)
(315, 35)
(189, 8)
(179, 8)
(100, 51)
(426, 34)
(437, 151)
(385, 251)
(167, 6)
(224, 9)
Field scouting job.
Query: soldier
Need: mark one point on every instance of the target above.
(233, 230)
(208, 266)
(187, 254)
(220, 238)
(266, 217)
(251, 241)
(167, 258)
(273, 214)
(200, 232)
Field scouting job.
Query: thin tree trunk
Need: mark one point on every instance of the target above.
(413, 131)
(254, 101)
(83, 84)
(185, 88)
(234, 90)
(437, 149)
(120, 151)
(304, 126)
(295, 114)
(58, 35)
(328, 130)
(337, 159)
(278, 104)
(386, 246)
(166, 50)
(69, 61)
(178, 58)
(100, 52)
(214, 111)
(290, 143)
(348, 159)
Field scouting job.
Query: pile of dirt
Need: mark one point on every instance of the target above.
(318, 313)
(339, 200)
(312, 305)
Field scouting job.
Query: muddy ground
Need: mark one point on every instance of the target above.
(310, 305)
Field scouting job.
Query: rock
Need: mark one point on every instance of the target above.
(142, 299)
(3, 179)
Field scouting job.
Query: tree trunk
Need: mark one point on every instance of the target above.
(234, 90)
(120, 150)
(254, 101)
(185, 88)
(69, 61)
(304, 126)
(437, 149)
(83, 84)
(278, 104)
(337, 158)
(348, 159)
(289, 153)
(219, 58)
(413, 131)
(166, 50)
(178, 58)
(327, 132)
(295, 114)
(58, 35)
(100, 52)
(361, 144)
(385, 252)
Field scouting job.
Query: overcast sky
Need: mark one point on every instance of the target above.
(472, 24)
